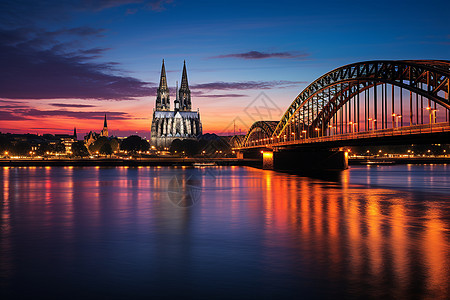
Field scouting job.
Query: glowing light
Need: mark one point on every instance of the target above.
(267, 154)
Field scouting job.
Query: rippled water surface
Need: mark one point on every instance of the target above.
(224, 232)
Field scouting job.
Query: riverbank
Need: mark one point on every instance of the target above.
(177, 161)
(398, 160)
(169, 161)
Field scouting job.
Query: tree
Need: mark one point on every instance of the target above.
(79, 149)
(188, 147)
(134, 143)
(176, 146)
(5, 144)
(114, 142)
(97, 145)
(22, 148)
(214, 145)
(106, 149)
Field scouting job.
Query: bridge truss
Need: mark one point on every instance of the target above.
(364, 97)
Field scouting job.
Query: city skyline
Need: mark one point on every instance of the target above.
(68, 64)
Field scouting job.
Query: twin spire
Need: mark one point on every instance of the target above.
(184, 80)
(163, 80)
(183, 99)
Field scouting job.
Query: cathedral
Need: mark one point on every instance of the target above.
(179, 123)
(91, 137)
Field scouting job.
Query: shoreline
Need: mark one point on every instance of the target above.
(175, 161)
(114, 162)
(399, 160)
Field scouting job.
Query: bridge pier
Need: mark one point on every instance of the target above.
(239, 154)
(305, 160)
(268, 160)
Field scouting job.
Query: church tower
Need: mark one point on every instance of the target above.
(105, 128)
(184, 92)
(163, 97)
(181, 122)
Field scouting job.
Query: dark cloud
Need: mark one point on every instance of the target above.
(219, 95)
(246, 85)
(6, 115)
(37, 72)
(72, 105)
(30, 113)
(46, 64)
(94, 51)
(47, 128)
(97, 5)
(263, 55)
(14, 12)
(11, 111)
(7, 101)
(83, 31)
(12, 106)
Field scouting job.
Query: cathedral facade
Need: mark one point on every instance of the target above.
(179, 123)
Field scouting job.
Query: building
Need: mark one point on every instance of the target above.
(93, 136)
(179, 123)
(67, 140)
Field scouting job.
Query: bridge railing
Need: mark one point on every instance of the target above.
(405, 130)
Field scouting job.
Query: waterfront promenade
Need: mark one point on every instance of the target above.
(113, 162)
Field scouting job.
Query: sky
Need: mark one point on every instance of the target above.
(66, 63)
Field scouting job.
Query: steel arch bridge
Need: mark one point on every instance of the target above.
(259, 130)
(354, 99)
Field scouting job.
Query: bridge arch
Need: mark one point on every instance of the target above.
(258, 131)
(236, 141)
(318, 105)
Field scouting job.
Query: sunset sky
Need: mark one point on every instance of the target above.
(66, 63)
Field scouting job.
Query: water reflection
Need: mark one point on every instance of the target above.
(115, 232)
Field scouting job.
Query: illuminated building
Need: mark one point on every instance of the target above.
(179, 123)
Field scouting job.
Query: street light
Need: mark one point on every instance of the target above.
(352, 126)
(432, 116)
(373, 123)
(396, 119)
(293, 133)
(331, 128)
(317, 129)
(304, 132)
(432, 113)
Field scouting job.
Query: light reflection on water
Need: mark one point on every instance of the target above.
(382, 232)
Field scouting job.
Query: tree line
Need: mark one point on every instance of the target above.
(22, 145)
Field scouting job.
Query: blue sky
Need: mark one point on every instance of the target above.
(63, 55)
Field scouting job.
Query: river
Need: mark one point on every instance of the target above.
(224, 232)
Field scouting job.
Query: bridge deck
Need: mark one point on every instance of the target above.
(382, 133)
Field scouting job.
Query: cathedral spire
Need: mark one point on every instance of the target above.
(105, 128)
(184, 93)
(184, 79)
(162, 97)
(163, 79)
